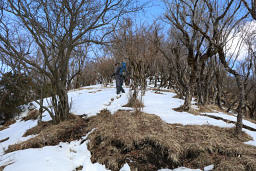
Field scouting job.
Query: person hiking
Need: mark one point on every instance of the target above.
(120, 69)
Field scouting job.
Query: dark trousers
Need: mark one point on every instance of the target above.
(119, 85)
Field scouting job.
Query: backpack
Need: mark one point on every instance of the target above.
(122, 71)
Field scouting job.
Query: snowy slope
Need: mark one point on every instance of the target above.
(90, 100)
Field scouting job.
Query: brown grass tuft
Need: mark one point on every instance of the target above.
(145, 142)
(37, 129)
(202, 109)
(158, 92)
(2, 167)
(205, 109)
(163, 90)
(66, 131)
(32, 115)
(104, 113)
(7, 124)
(93, 92)
(233, 164)
(79, 168)
(191, 110)
(81, 88)
(178, 96)
(135, 103)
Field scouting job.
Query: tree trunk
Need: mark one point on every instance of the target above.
(240, 86)
(63, 107)
(239, 123)
(219, 90)
(190, 87)
(188, 98)
(199, 92)
(60, 102)
(156, 79)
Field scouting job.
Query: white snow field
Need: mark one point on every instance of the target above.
(90, 100)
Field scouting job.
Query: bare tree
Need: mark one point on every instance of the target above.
(251, 7)
(180, 15)
(221, 21)
(57, 28)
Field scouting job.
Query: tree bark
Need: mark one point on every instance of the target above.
(239, 124)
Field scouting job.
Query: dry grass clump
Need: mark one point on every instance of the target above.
(158, 92)
(202, 109)
(37, 129)
(134, 102)
(191, 110)
(163, 90)
(122, 136)
(178, 96)
(2, 167)
(234, 165)
(66, 131)
(104, 113)
(93, 92)
(205, 109)
(81, 88)
(32, 115)
(7, 124)
(145, 142)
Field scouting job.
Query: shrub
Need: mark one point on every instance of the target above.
(15, 90)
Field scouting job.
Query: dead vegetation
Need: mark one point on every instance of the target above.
(32, 115)
(178, 97)
(49, 134)
(134, 102)
(191, 110)
(79, 168)
(37, 129)
(81, 88)
(2, 167)
(93, 92)
(228, 121)
(163, 90)
(202, 109)
(7, 124)
(145, 142)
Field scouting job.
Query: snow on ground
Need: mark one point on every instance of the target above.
(162, 105)
(90, 100)
(15, 133)
(64, 157)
